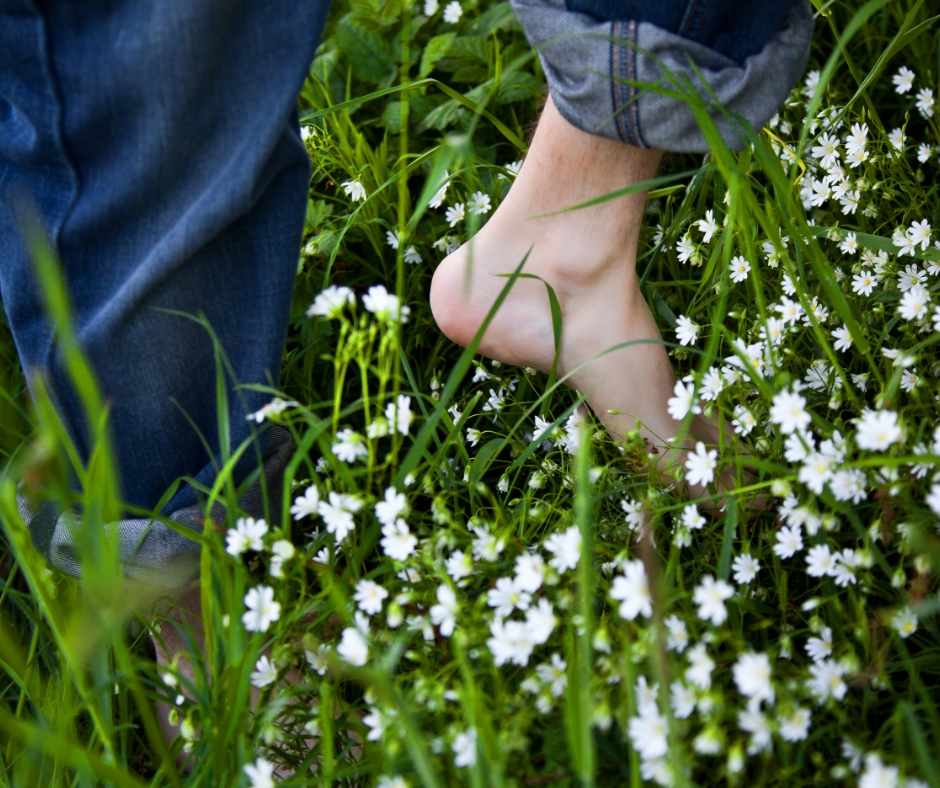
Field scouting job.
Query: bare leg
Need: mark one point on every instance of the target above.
(589, 258)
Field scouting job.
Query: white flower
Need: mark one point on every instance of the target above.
(430, 8)
(904, 622)
(827, 150)
(858, 139)
(648, 734)
(925, 102)
(632, 591)
(877, 430)
(683, 401)
(330, 302)
(686, 249)
(353, 647)
(744, 420)
(896, 138)
(349, 446)
(373, 720)
(507, 596)
(411, 256)
(530, 572)
(864, 283)
(318, 659)
(692, 518)
(739, 269)
(843, 339)
(915, 303)
(438, 199)
(678, 634)
(710, 596)
(745, 568)
(459, 566)
(479, 203)
(354, 190)
(265, 673)
(486, 547)
(816, 471)
(877, 775)
(397, 541)
(495, 401)
(789, 541)
(540, 621)
(338, 514)
(385, 305)
(827, 680)
(262, 609)
(788, 409)
(755, 722)
(903, 80)
(246, 535)
(712, 384)
(452, 13)
(261, 773)
(700, 465)
(510, 642)
(282, 550)
(566, 549)
(389, 510)
(700, 667)
(399, 414)
(933, 499)
(924, 152)
(686, 330)
(849, 561)
(708, 226)
(307, 503)
(752, 675)
(682, 700)
(795, 727)
(455, 214)
(274, 407)
(820, 648)
(444, 613)
(369, 597)
(465, 744)
(849, 244)
(554, 675)
(391, 238)
(820, 562)
(919, 233)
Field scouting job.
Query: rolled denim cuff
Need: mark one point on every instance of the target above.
(588, 65)
(151, 551)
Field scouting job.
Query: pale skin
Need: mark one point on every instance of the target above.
(589, 257)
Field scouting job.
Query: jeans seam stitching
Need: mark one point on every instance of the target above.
(687, 18)
(702, 18)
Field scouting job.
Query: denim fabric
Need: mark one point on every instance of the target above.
(157, 141)
(731, 28)
(151, 551)
(748, 57)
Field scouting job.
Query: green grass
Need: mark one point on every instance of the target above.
(393, 100)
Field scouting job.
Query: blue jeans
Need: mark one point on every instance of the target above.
(158, 143)
(750, 54)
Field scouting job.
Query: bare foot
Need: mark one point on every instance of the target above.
(589, 258)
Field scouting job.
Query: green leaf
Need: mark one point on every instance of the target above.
(484, 458)
(724, 564)
(436, 49)
(369, 55)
